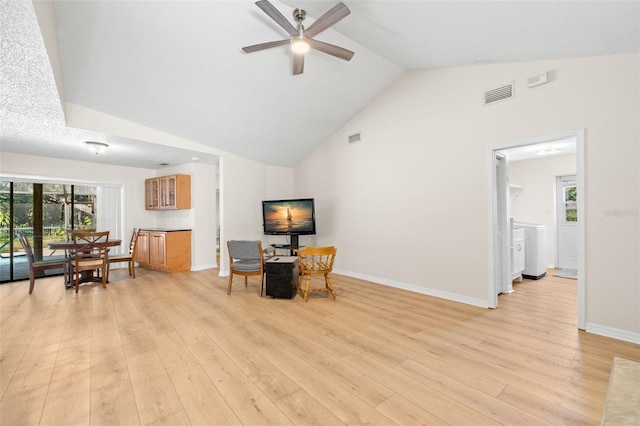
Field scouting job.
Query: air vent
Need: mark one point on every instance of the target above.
(499, 94)
(355, 138)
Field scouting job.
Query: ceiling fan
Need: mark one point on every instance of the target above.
(301, 39)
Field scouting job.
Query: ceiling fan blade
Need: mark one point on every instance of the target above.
(262, 46)
(331, 49)
(335, 14)
(275, 14)
(298, 63)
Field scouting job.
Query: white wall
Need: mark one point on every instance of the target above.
(201, 218)
(409, 205)
(536, 202)
(243, 185)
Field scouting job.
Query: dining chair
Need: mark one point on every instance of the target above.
(38, 265)
(129, 257)
(90, 254)
(316, 261)
(246, 258)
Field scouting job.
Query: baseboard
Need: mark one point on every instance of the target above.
(416, 289)
(203, 267)
(614, 333)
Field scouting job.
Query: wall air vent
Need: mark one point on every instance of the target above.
(356, 137)
(498, 94)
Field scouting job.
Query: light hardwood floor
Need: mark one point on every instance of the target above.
(175, 349)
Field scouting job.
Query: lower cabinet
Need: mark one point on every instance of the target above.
(517, 254)
(164, 250)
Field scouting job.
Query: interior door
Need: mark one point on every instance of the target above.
(566, 222)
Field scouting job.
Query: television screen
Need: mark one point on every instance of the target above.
(289, 217)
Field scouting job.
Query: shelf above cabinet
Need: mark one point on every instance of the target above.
(171, 192)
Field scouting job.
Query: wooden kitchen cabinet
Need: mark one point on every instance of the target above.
(167, 192)
(142, 247)
(164, 250)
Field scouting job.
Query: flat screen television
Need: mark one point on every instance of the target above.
(289, 217)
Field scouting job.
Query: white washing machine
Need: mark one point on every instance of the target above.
(535, 249)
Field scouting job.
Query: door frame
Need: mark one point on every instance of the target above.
(502, 235)
(579, 135)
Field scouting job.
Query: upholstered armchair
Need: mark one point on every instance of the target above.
(246, 258)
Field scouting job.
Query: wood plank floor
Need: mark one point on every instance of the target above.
(176, 350)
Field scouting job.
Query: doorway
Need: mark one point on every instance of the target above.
(542, 145)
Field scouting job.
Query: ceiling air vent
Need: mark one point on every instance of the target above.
(499, 94)
(355, 138)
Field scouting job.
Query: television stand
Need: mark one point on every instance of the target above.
(291, 247)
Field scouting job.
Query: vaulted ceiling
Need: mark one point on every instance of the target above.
(178, 67)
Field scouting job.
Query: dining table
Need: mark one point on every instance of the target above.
(68, 245)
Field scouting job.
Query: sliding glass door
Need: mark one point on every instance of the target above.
(16, 207)
(43, 212)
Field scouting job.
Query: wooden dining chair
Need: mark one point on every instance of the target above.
(246, 258)
(90, 254)
(316, 261)
(38, 265)
(129, 257)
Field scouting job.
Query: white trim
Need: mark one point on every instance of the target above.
(415, 288)
(579, 135)
(492, 293)
(223, 259)
(203, 267)
(581, 237)
(614, 333)
(61, 181)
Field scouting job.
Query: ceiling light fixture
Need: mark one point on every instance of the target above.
(97, 147)
(548, 151)
(299, 45)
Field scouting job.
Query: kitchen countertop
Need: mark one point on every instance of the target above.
(164, 229)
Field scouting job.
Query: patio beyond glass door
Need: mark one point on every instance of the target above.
(16, 213)
(44, 212)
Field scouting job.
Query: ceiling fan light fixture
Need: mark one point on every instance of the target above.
(303, 39)
(97, 147)
(299, 45)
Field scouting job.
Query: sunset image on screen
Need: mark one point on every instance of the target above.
(289, 216)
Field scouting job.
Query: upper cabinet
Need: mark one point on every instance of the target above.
(167, 192)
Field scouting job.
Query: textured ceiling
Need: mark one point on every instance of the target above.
(177, 67)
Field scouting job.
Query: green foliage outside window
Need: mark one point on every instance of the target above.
(570, 197)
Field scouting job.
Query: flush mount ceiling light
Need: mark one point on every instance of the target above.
(97, 147)
(548, 151)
